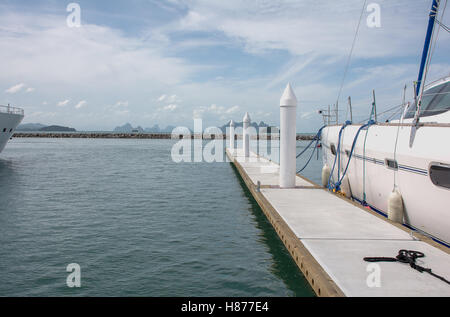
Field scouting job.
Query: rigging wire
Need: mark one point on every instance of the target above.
(446, 28)
(396, 113)
(396, 108)
(351, 53)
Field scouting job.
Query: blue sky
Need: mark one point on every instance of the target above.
(165, 62)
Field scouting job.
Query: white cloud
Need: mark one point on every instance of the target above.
(122, 104)
(214, 109)
(301, 27)
(14, 89)
(169, 99)
(63, 103)
(171, 103)
(291, 69)
(173, 99)
(99, 56)
(81, 104)
(232, 110)
(30, 89)
(170, 107)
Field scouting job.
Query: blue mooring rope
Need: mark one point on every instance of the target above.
(337, 185)
(315, 139)
(338, 153)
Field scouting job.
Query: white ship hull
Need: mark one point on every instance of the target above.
(10, 118)
(413, 160)
(426, 204)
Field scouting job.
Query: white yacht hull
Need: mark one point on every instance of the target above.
(8, 124)
(427, 206)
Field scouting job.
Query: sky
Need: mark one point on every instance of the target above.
(150, 62)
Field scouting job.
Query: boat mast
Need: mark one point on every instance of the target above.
(426, 48)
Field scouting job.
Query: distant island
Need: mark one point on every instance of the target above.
(30, 127)
(128, 128)
(43, 128)
(57, 128)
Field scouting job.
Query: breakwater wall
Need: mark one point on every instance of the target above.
(112, 135)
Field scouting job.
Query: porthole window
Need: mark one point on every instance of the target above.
(440, 175)
(10, 130)
(4, 130)
(392, 164)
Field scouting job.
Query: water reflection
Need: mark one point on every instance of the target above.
(283, 266)
(9, 184)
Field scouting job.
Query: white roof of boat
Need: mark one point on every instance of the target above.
(437, 82)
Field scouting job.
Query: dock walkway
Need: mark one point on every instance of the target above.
(328, 236)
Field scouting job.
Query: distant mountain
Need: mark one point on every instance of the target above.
(30, 127)
(262, 124)
(44, 128)
(128, 128)
(154, 129)
(157, 129)
(168, 129)
(57, 128)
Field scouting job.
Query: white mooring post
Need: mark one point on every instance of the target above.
(288, 136)
(231, 135)
(245, 135)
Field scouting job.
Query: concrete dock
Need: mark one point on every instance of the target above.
(328, 236)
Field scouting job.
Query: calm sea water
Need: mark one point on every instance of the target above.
(136, 223)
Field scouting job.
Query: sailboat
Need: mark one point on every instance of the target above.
(399, 168)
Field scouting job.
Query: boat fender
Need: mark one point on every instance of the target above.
(345, 187)
(326, 171)
(395, 207)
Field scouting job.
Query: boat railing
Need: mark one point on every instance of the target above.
(436, 82)
(11, 110)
